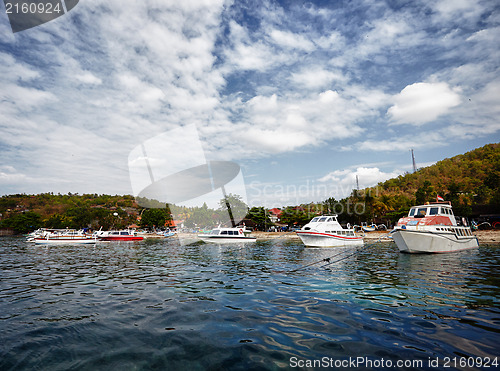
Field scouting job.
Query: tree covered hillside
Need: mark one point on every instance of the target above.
(470, 181)
(467, 180)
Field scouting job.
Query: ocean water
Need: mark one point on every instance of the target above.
(273, 305)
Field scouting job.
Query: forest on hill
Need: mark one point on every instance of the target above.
(471, 181)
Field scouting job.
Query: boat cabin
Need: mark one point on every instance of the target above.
(227, 232)
(430, 210)
(431, 214)
(324, 219)
(120, 233)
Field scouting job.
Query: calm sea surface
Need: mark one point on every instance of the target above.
(158, 305)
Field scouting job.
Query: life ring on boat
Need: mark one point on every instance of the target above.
(241, 231)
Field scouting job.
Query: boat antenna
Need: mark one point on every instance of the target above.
(413, 159)
(357, 182)
(228, 207)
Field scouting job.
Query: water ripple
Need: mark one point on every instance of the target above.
(159, 305)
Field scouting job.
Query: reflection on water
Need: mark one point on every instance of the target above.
(157, 304)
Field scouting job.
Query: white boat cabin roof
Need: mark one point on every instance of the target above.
(431, 210)
(228, 230)
(324, 219)
(120, 233)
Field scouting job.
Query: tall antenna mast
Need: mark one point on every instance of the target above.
(357, 182)
(413, 159)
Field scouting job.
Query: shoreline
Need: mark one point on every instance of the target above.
(488, 236)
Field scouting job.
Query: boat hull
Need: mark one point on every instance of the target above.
(122, 238)
(226, 239)
(413, 241)
(64, 241)
(318, 239)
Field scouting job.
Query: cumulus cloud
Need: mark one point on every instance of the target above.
(421, 102)
(88, 78)
(366, 176)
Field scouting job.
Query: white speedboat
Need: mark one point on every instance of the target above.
(326, 231)
(433, 228)
(123, 235)
(225, 235)
(63, 236)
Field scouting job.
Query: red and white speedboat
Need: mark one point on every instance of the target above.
(125, 235)
(326, 231)
(433, 228)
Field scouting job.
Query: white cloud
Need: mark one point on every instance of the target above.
(313, 77)
(420, 103)
(366, 176)
(292, 40)
(88, 78)
(457, 9)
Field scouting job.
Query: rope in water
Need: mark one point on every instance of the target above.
(328, 260)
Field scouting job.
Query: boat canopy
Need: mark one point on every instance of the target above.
(324, 219)
(432, 209)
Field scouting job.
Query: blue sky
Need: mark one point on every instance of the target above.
(303, 95)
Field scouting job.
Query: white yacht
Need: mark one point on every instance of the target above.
(433, 228)
(62, 236)
(223, 235)
(326, 231)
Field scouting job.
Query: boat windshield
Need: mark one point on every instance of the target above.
(433, 211)
(412, 211)
(314, 220)
(214, 231)
(422, 211)
(322, 219)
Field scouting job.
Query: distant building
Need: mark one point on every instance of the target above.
(275, 215)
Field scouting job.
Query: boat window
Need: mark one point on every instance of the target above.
(412, 212)
(422, 211)
(314, 220)
(124, 233)
(322, 219)
(434, 211)
(329, 219)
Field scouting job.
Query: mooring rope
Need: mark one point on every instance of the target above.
(328, 260)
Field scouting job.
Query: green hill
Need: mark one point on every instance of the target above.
(469, 181)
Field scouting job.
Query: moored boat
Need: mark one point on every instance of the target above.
(227, 235)
(124, 235)
(62, 236)
(433, 228)
(369, 228)
(326, 231)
